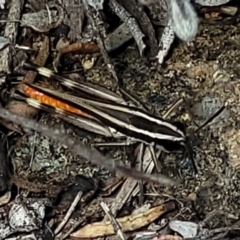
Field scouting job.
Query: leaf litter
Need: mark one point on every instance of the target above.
(51, 163)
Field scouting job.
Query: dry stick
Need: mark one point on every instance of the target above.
(155, 160)
(113, 221)
(69, 213)
(79, 149)
(140, 182)
(32, 152)
(75, 225)
(101, 43)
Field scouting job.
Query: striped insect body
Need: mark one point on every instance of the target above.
(120, 119)
(101, 111)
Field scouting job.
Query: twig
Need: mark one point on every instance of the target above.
(101, 44)
(113, 221)
(140, 182)
(32, 151)
(69, 213)
(75, 225)
(49, 15)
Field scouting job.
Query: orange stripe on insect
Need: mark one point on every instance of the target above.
(50, 101)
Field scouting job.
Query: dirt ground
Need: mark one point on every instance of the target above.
(206, 74)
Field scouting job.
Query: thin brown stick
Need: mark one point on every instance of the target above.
(101, 43)
(69, 213)
(113, 221)
(75, 225)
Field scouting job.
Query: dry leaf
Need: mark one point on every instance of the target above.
(128, 223)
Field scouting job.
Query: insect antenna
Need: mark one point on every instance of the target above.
(210, 119)
(189, 151)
